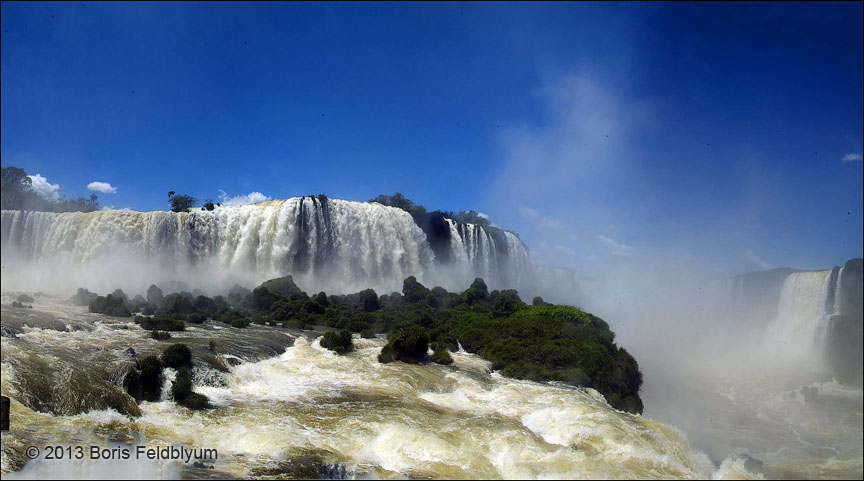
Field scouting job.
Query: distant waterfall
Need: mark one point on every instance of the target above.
(338, 245)
(806, 301)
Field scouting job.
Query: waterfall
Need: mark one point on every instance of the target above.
(806, 301)
(336, 245)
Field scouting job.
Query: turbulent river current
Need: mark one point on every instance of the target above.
(365, 418)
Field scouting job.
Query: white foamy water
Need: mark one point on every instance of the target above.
(379, 420)
(796, 333)
(336, 245)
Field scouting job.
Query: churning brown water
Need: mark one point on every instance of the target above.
(278, 395)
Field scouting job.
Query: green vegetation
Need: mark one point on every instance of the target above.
(110, 305)
(409, 345)
(16, 193)
(160, 324)
(160, 335)
(540, 342)
(25, 298)
(339, 343)
(177, 356)
(143, 381)
(181, 203)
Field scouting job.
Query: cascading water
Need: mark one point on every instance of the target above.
(335, 245)
(805, 302)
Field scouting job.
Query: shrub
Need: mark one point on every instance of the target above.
(182, 386)
(177, 356)
(160, 335)
(177, 303)
(263, 298)
(410, 346)
(144, 380)
(109, 305)
(25, 298)
(413, 291)
(369, 301)
(503, 306)
(196, 318)
(480, 284)
(442, 357)
(321, 298)
(159, 323)
(239, 322)
(339, 343)
(474, 296)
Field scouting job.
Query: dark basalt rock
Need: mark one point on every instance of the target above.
(154, 295)
(300, 467)
(84, 297)
(8, 332)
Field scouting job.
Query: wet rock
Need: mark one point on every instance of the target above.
(8, 332)
(200, 465)
(154, 295)
(333, 471)
(129, 352)
(300, 467)
(24, 298)
(750, 463)
(232, 360)
(811, 394)
(65, 391)
(84, 297)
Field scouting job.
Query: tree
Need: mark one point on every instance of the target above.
(208, 205)
(15, 184)
(413, 290)
(369, 300)
(182, 203)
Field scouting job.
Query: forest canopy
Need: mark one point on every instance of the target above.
(17, 194)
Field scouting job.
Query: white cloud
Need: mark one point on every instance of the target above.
(43, 188)
(250, 198)
(103, 187)
(851, 157)
(111, 207)
(757, 261)
(616, 249)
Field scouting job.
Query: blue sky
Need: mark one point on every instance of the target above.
(602, 133)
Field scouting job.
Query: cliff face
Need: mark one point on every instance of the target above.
(817, 314)
(755, 294)
(845, 332)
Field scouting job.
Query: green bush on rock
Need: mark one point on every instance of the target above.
(409, 346)
(339, 343)
(177, 356)
(109, 305)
